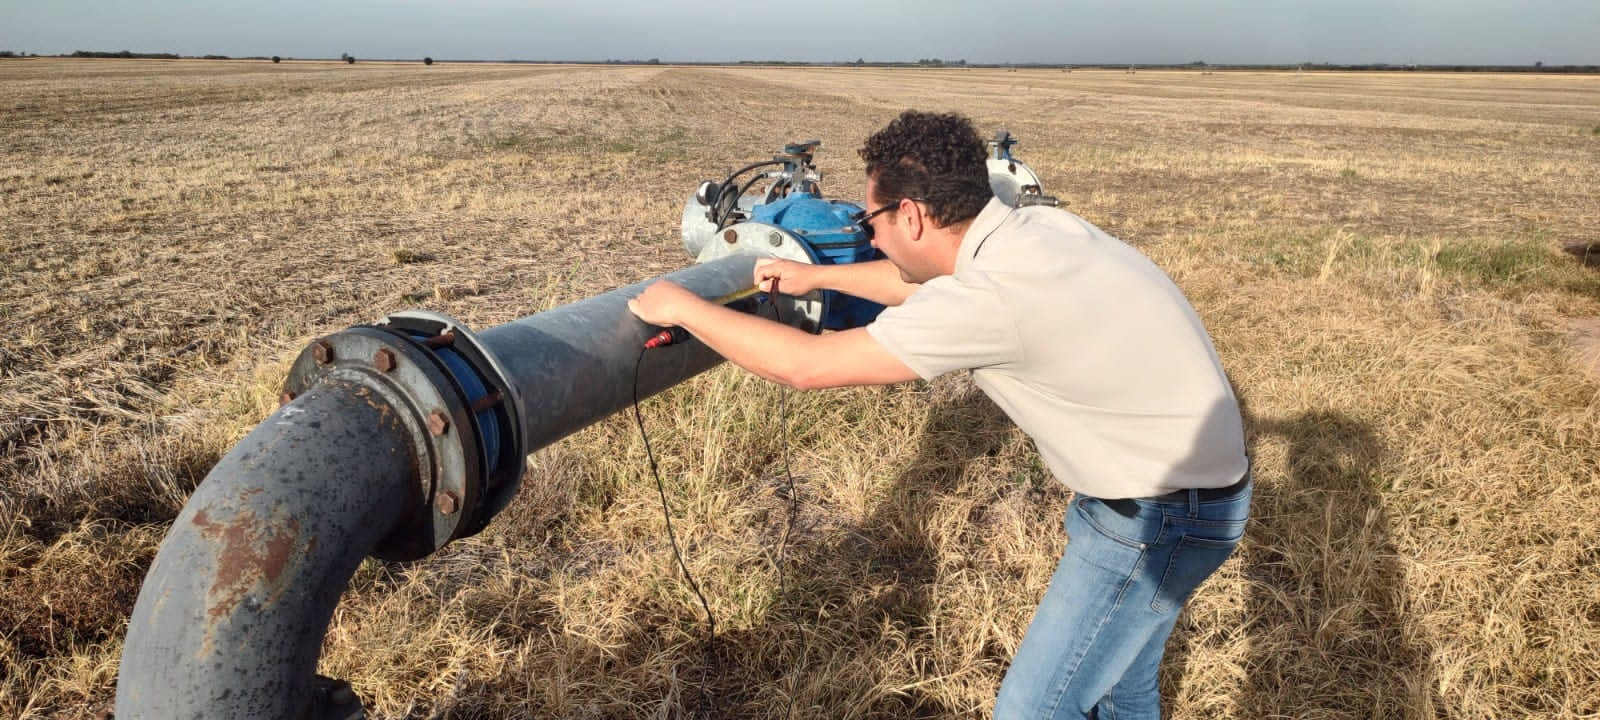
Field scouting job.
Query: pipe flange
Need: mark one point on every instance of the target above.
(507, 459)
(407, 377)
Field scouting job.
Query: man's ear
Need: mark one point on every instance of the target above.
(914, 217)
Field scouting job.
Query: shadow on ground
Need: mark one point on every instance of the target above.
(883, 573)
(868, 591)
(1324, 614)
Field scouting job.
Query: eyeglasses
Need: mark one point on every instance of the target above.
(861, 218)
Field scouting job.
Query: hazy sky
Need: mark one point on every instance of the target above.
(1068, 31)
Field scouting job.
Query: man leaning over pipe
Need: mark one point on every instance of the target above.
(1084, 343)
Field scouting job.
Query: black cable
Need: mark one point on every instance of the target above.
(783, 541)
(703, 703)
(742, 190)
(752, 166)
(794, 510)
(719, 220)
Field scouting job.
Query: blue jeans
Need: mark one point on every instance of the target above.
(1094, 647)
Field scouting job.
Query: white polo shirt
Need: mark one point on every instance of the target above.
(1088, 347)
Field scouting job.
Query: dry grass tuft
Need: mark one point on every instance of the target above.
(1586, 345)
(405, 256)
(1386, 263)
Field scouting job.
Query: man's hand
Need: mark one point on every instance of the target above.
(662, 303)
(794, 278)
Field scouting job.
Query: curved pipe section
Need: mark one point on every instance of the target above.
(230, 620)
(231, 617)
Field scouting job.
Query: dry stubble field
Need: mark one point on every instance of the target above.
(1387, 263)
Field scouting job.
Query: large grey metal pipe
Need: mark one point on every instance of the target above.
(395, 440)
(231, 617)
(574, 365)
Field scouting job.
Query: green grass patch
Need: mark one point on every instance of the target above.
(1528, 262)
(515, 142)
(1514, 262)
(663, 146)
(1308, 255)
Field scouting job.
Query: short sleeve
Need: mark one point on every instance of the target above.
(948, 324)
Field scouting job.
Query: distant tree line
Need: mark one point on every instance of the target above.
(1198, 65)
(123, 54)
(1538, 66)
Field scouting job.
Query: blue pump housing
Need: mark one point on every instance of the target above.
(825, 229)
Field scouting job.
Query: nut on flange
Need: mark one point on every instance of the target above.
(438, 423)
(383, 360)
(322, 352)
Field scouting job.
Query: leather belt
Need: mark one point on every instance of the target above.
(1206, 494)
(1126, 506)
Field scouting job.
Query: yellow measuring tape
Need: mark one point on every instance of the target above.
(737, 295)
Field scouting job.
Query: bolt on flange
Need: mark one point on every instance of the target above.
(438, 423)
(384, 360)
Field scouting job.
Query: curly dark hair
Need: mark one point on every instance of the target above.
(935, 157)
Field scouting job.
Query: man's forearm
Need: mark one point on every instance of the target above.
(878, 281)
(773, 350)
(757, 344)
(787, 356)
